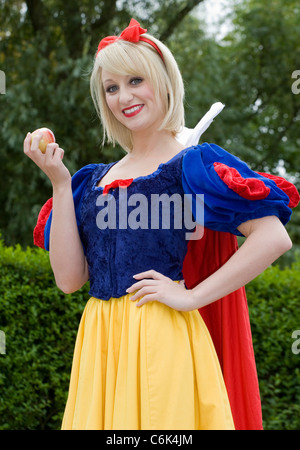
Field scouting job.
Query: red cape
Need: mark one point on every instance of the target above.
(228, 323)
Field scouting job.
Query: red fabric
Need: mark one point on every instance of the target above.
(131, 34)
(288, 188)
(117, 183)
(249, 188)
(38, 232)
(228, 323)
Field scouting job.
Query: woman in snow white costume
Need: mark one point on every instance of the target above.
(144, 357)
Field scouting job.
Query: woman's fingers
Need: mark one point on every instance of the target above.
(31, 148)
(49, 162)
(149, 277)
(150, 274)
(59, 153)
(149, 287)
(50, 152)
(27, 141)
(154, 286)
(36, 141)
(143, 291)
(146, 298)
(31, 145)
(141, 284)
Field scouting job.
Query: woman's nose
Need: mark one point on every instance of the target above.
(125, 96)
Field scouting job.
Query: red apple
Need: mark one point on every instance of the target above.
(46, 139)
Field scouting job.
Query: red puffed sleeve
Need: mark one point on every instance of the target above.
(38, 232)
(287, 187)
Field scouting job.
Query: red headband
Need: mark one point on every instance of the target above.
(131, 34)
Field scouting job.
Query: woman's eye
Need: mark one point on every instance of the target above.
(111, 89)
(136, 80)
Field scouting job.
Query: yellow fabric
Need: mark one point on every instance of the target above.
(148, 367)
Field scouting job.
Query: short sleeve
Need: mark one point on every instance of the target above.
(231, 193)
(41, 233)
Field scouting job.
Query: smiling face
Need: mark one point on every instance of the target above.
(132, 101)
(132, 67)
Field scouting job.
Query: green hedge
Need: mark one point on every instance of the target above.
(40, 325)
(273, 299)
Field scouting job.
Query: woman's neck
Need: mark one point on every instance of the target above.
(153, 145)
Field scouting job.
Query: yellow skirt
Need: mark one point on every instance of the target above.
(144, 368)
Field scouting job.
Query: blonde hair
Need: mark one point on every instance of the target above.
(127, 58)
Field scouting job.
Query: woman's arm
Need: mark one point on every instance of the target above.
(266, 240)
(67, 257)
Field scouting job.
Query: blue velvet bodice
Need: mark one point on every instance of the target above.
(114, 255)
(134, 241)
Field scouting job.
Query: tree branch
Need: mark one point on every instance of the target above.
(177, 18)
(36, 11)
(72, 27)
(109, 9)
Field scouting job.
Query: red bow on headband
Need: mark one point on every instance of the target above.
(131, 34)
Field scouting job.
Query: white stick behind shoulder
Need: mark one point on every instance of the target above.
(191, 136)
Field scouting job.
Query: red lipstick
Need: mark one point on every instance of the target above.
(132, 111)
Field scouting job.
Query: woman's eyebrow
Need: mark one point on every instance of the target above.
(108, 80)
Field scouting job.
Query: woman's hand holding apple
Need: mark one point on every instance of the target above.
(40, 146)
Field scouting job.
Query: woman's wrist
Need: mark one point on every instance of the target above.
(61, 187)
(196, 300)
